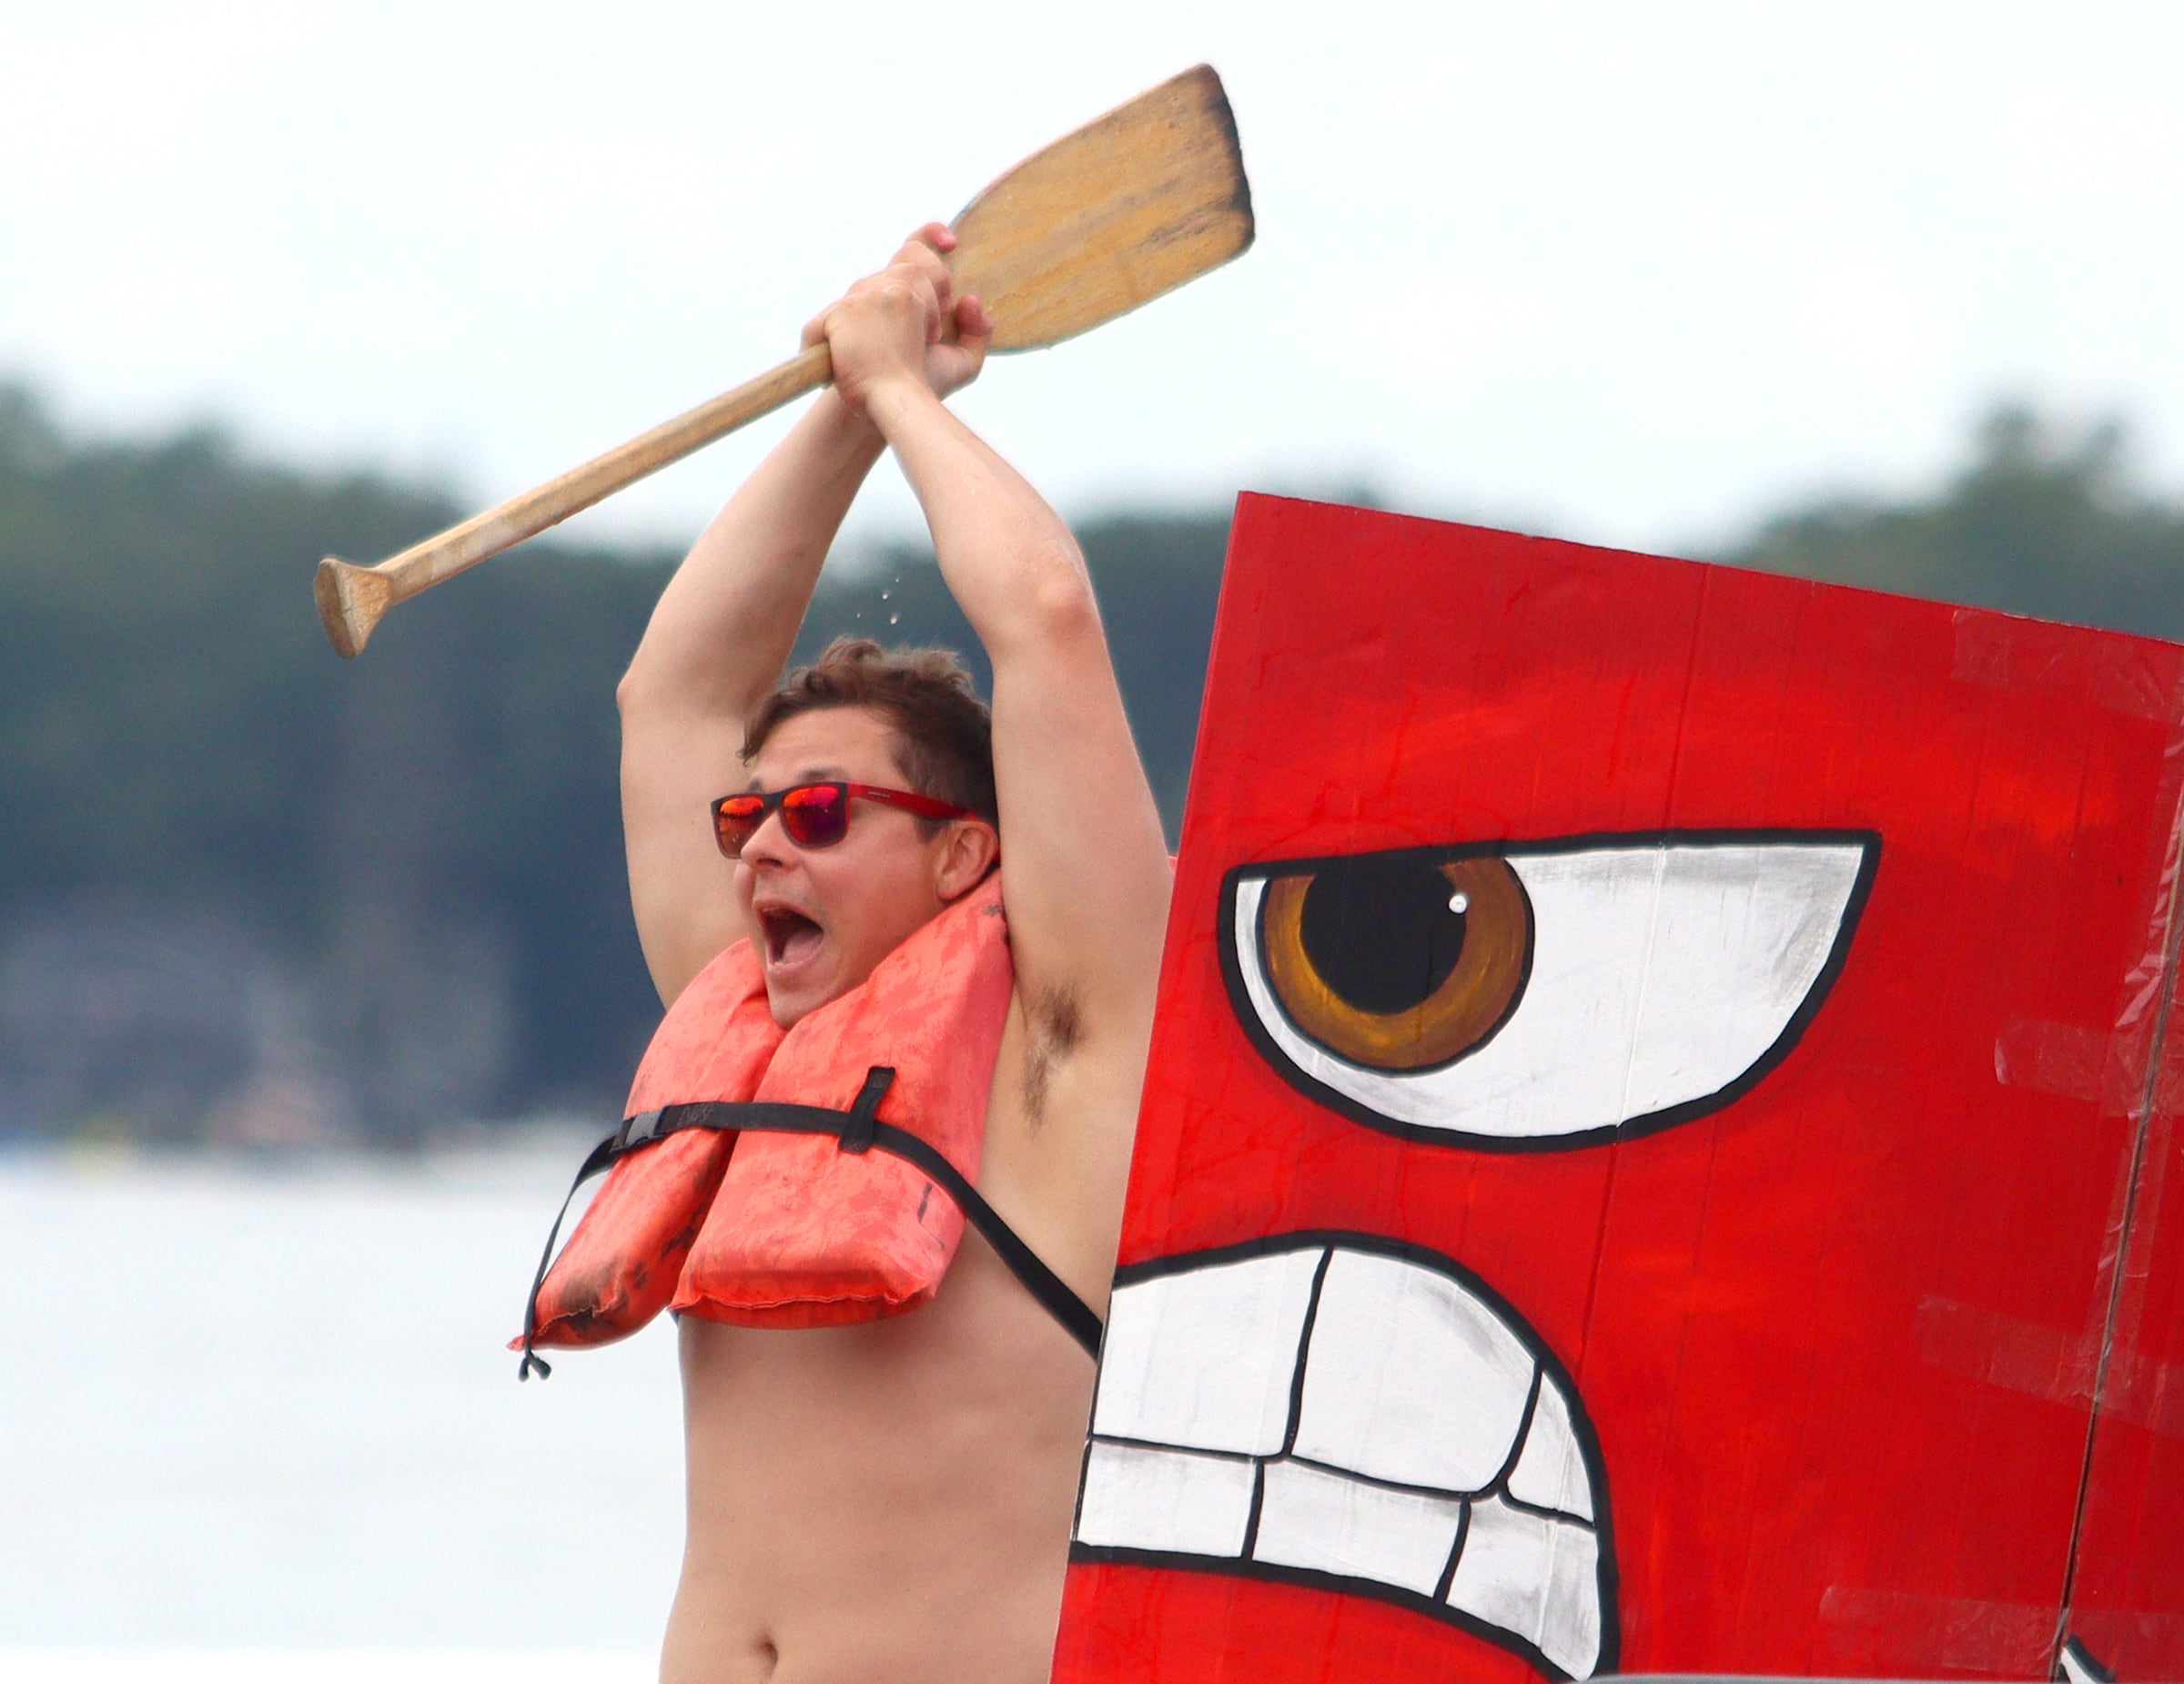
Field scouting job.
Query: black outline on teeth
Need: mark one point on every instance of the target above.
(1546, 1365)
(1247, 1015)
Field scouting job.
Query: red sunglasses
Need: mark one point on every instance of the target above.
(814, 814)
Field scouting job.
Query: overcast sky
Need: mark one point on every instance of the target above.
(1626, 272)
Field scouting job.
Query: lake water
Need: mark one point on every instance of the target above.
(257, 1418)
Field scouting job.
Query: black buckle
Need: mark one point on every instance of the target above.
(857, 1132)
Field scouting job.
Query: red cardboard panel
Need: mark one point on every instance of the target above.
(1652, 1061)
(2126, 1596)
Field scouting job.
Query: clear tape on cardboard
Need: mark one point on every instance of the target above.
(2049, 1363)
(2072, 1062)
(2001, 1350)
(2140, 681)
(1915, 1634)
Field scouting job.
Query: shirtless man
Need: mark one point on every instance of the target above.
(892, 1501)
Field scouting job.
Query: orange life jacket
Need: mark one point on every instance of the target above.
(805, 1177)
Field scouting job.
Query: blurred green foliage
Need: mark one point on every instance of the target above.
(174, 731)
(2043, 521)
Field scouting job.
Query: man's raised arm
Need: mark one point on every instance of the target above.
(715, 646)
(1081, 846)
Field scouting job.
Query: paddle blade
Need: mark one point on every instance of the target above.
(1130, 205)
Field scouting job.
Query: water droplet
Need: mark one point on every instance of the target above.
(895, 619)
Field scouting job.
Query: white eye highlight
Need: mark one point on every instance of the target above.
(1663, 978)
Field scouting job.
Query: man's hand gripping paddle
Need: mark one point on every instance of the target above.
(1130, 205)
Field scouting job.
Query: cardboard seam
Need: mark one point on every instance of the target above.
(2172, 943)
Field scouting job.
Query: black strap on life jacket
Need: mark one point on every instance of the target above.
(859, 1130)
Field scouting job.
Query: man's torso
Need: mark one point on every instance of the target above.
(892, 1499)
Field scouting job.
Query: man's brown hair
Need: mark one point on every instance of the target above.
(944, 734)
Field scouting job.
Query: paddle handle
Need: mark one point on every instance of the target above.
(351, 599)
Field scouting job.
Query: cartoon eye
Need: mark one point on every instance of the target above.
(1394, 961)
(1542, 994)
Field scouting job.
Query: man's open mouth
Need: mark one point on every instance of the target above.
(790, 935)
(1344, 1410)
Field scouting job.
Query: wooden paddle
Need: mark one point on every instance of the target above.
(1130, 205)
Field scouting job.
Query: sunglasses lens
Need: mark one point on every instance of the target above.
(816, 813)
(734, 820)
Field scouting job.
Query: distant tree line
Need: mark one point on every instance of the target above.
(204, 814)
(249, 890)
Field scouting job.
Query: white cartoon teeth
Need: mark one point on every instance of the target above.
(1551, 1474)
(1331, 1406)
(1168, 1501)
(1226, 1385)
(1533, 1575)
(1316, 1519)
(1391, 1345)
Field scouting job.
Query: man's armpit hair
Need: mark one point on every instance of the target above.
(1056, 1025)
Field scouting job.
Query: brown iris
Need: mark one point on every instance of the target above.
(1397, 962)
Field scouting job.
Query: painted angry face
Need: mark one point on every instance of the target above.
(1640, 1046)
